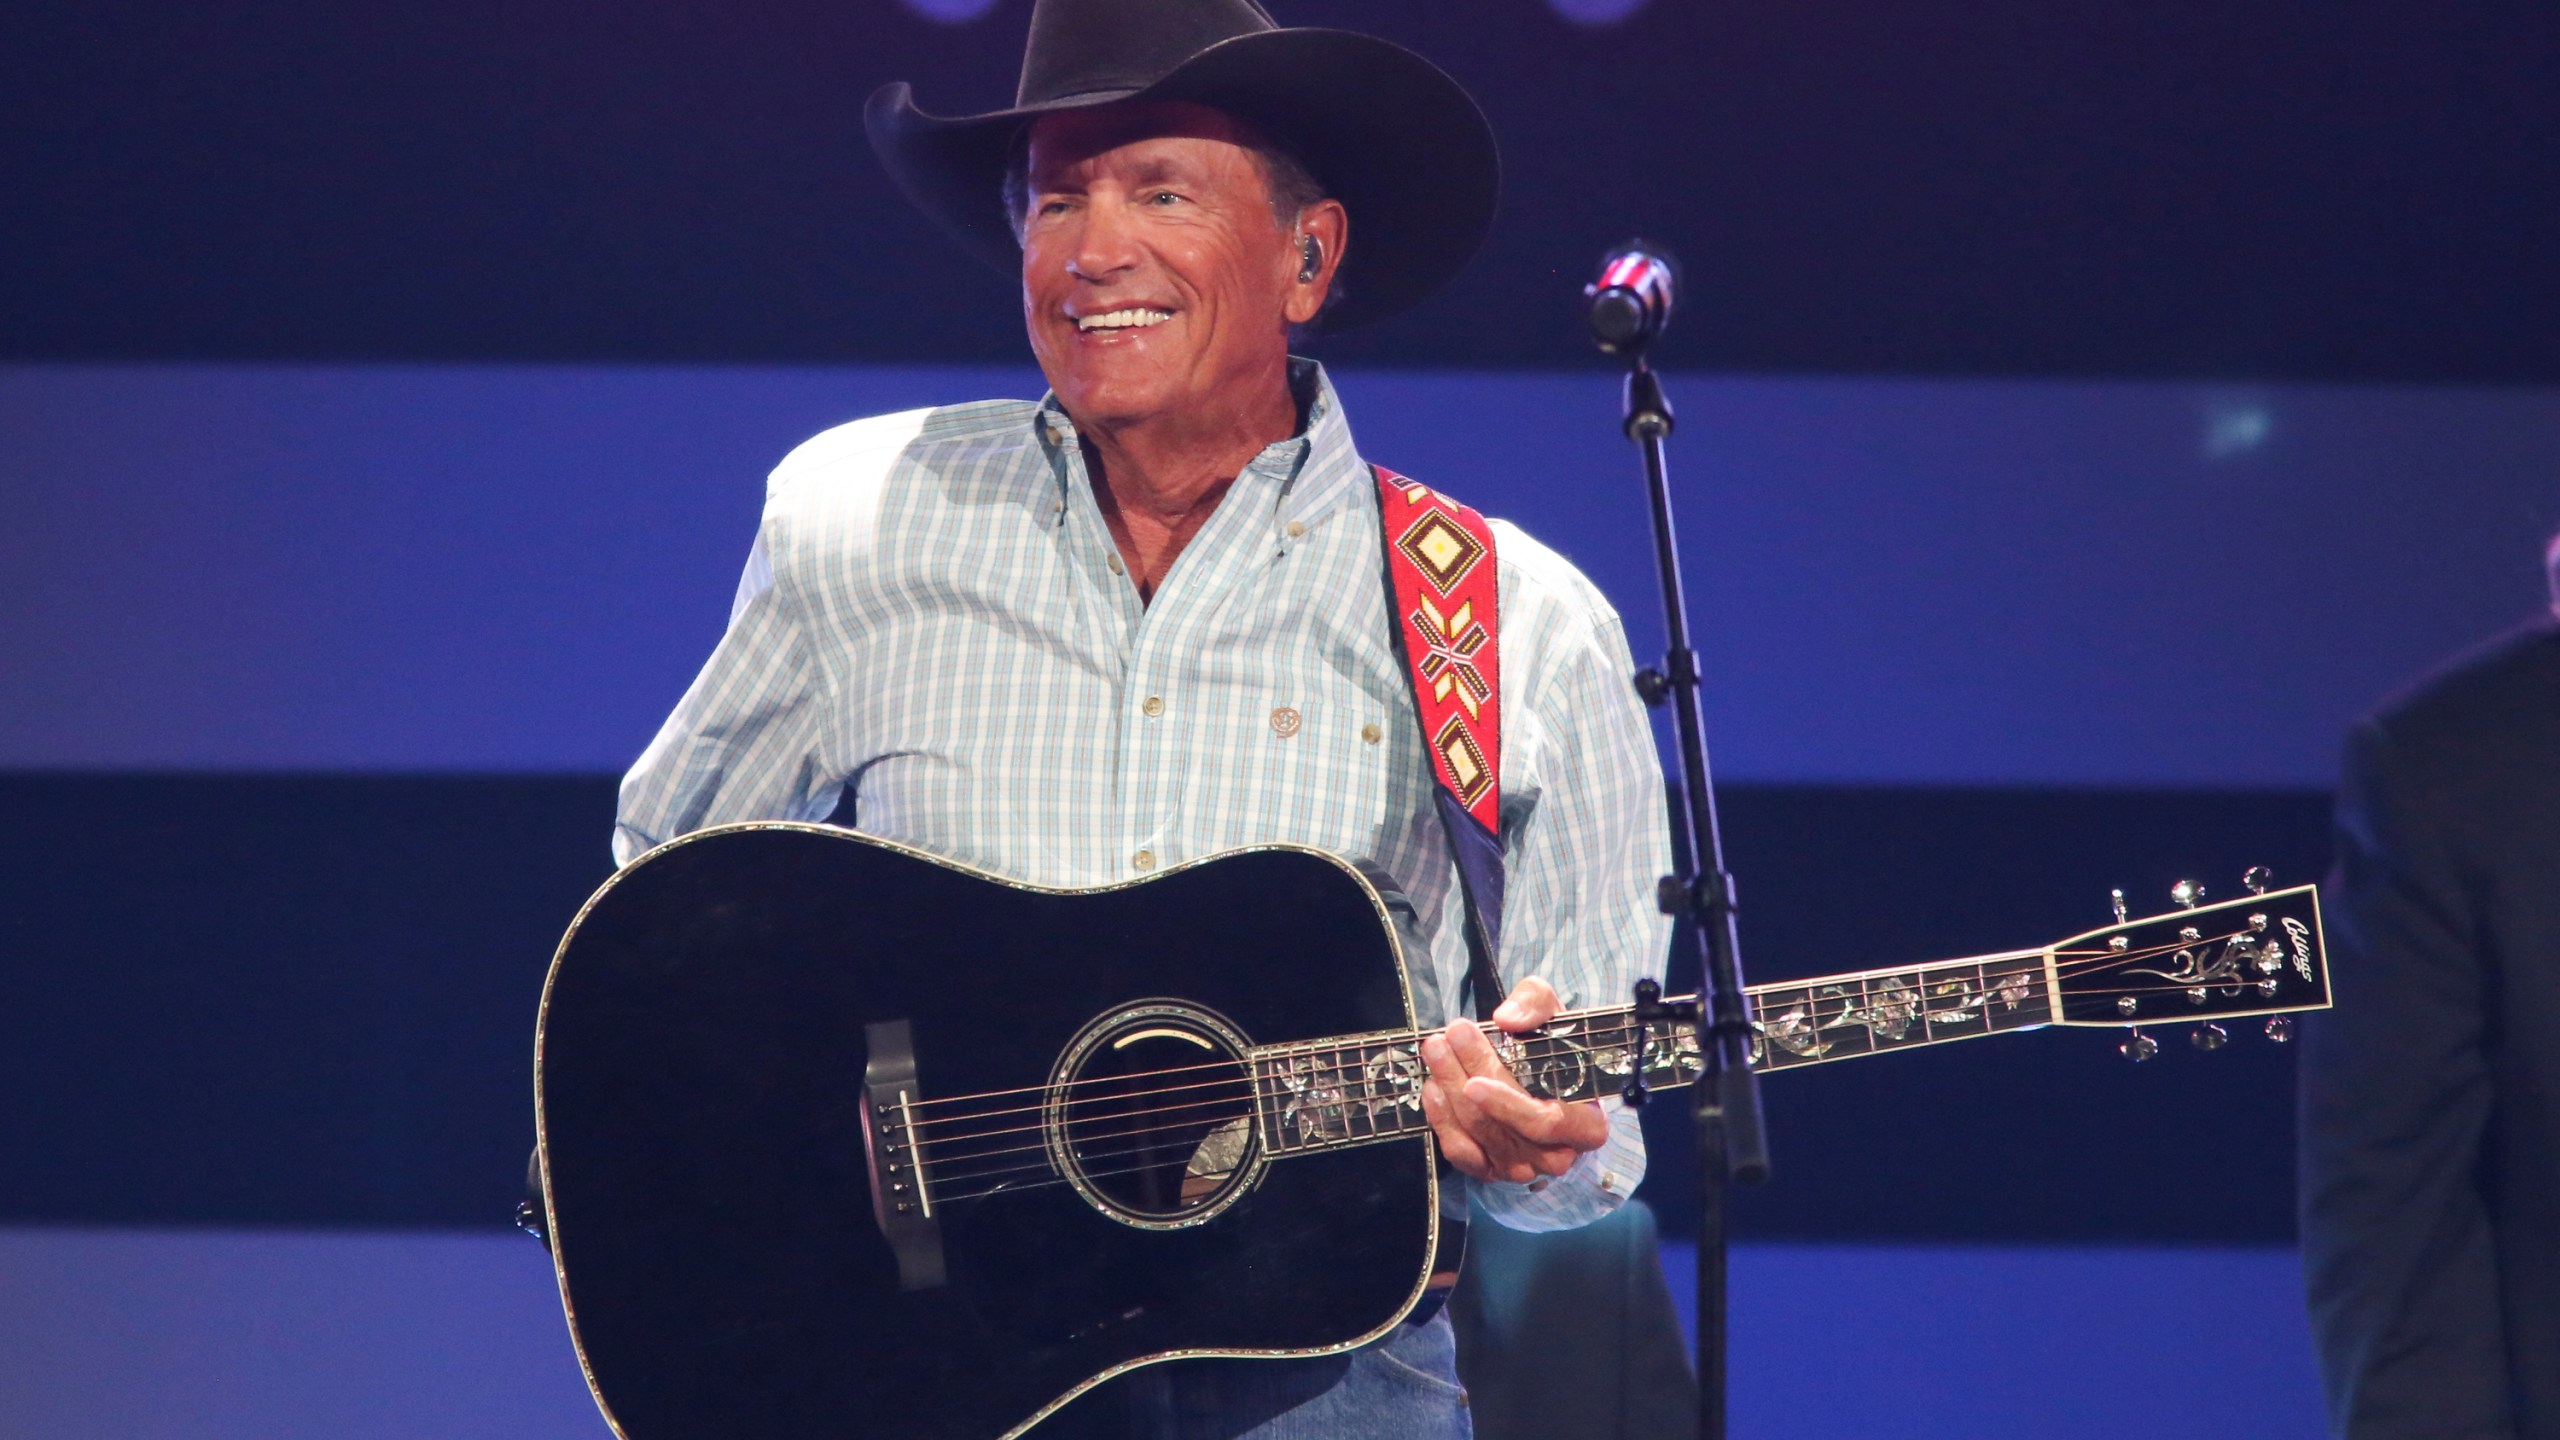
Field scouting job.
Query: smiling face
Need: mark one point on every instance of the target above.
(1157, 285)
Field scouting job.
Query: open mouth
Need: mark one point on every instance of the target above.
(1136, 317)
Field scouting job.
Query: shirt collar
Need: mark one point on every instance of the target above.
(1314, 469)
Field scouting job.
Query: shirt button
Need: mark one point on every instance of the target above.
(1154, 706)
(1370, 733)
(1144, 860)
(1113, 560)
(1296, 529)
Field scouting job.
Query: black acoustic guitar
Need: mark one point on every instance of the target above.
(838, 1139)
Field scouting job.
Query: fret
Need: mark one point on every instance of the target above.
(1359, 1120)
(1266, 1105)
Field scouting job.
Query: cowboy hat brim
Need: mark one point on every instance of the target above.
(1386, 132)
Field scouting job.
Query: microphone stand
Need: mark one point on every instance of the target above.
(1732, 1146)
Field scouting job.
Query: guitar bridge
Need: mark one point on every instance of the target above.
(893, 1144)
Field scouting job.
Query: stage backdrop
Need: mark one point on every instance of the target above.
(385, 392)
(517, 568)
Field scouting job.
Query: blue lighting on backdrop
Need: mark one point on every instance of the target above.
(951, 12)
(1596, 12)
(519, 567)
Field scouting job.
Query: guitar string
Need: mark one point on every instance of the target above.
(1346, 1072)
(2094, 961)
(1623, 1025)
(939, 1152)
(1618, 1023)
(944, 1172)
(2097, 960)
(946, 1148)
(939, 1177)
(961, 1146)
(1049, 1176)
(1347, 1068)
(1405, 1127)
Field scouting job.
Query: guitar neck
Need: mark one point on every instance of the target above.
(1354, 1089)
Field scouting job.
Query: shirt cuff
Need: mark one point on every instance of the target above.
(1598, 1183)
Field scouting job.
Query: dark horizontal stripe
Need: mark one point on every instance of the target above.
(2051, 1136)
(309, 1000)
(2353, 190)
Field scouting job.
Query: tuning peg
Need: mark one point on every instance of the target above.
(2138, 1047)
(2256, 879)
(2187, 893)
(2209, 1037)
(2280, 1028)
(2117, 897)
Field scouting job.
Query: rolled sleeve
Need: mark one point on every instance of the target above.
(1579, 908)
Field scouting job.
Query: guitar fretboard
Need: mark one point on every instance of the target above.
(1803, 1022)
(1356, 1089)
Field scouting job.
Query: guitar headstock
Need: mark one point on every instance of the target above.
(2259, 954)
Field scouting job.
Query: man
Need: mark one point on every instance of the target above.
(2431, 1094)
(1144, 620)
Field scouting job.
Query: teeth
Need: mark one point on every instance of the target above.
(1123, 319)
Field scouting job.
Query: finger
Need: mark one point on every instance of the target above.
(1532, 1003)
(1520, 1162)
(1480, 1148)
(1455, 1142)
(1474, 1053)
(1440, 1055)
(1541, 1139)
(1540, 1123)
(1451, 1075)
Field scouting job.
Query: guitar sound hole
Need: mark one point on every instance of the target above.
(1151, 1115)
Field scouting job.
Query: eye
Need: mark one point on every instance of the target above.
(1163, 197)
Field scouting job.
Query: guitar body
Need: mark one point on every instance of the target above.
(721, 1010)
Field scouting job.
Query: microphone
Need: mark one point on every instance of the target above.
(1631, 301)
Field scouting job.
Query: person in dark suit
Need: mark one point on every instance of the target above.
(2430, 1160)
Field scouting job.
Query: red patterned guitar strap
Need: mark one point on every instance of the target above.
(1444, 597)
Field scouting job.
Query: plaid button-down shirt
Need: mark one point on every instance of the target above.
(934, 619)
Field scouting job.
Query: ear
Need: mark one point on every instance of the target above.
(1329, 227)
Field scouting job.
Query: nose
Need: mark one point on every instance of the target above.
(1105, 245)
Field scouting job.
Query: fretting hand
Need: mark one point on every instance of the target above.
(1488, 1126)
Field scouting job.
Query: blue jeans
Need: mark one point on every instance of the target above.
(1404, 1387)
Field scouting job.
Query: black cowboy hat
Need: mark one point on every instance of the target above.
(1385, 131)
